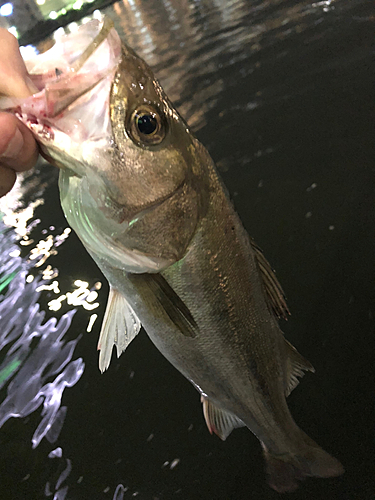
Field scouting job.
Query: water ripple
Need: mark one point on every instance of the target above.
(33, 351)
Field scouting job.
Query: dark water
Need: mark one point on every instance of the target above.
(282, 95)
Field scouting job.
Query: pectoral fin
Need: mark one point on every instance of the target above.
(168, 299)
(219, 421)
(296, 365)
(120, 326)
(271, 284)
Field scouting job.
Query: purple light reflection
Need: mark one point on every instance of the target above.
(60, 493)
(32, 368)
(119, 493)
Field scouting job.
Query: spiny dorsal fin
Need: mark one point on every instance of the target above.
(120, 326)
(296, 365)
(271, 284)
(172, 304)
(219, 421)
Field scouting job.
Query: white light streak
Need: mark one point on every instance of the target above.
(49, 273)
(26, 241)
(55, 304)
(43, 249)
(19, 219)
(15, 253)
(54, 286)
(82, 296)
(92, 320)
(174, 463)
(92, 296)
(80, 283)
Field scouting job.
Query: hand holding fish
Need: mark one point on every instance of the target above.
(18, 149)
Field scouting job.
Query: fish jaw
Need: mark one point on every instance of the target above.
(134, 203)
(77, 138)
(69, 116)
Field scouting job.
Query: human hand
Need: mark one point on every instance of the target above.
(18, 149)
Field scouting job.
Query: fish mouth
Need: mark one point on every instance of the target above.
(67, 78)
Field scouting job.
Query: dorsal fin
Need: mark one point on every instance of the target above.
(219, 421)
(271, 284)
(295, 367)
(120, 326)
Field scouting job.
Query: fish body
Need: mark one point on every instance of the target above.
(146, 200)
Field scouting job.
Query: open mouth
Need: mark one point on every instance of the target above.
(42, 130)
(63, 75)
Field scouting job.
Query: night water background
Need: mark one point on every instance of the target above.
(281, 93)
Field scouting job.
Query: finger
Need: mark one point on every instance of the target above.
(15, 81)
(18, 149)
(7, 179)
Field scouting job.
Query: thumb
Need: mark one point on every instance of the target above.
(14, 81)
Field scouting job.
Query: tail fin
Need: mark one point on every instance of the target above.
(285, 470)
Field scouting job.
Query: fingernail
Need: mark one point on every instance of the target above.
(14, 147)
(31, 85)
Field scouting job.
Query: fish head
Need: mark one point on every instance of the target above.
(133, 182)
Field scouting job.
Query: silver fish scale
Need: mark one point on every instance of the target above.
(236, 358)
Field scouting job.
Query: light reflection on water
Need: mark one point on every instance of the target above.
(36, 364)
(35, 360)
(81, 296)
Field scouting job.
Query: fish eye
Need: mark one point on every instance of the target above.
(147, 127)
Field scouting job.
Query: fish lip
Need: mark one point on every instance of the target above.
(45, 133)
(58, 89)
(42, 129)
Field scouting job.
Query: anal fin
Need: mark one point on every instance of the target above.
(120, 326)
(219, 421)
(296, 366)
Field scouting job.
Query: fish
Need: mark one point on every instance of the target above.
(145, 198)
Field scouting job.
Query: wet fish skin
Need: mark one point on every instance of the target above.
(159, 223)
(238, 359)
